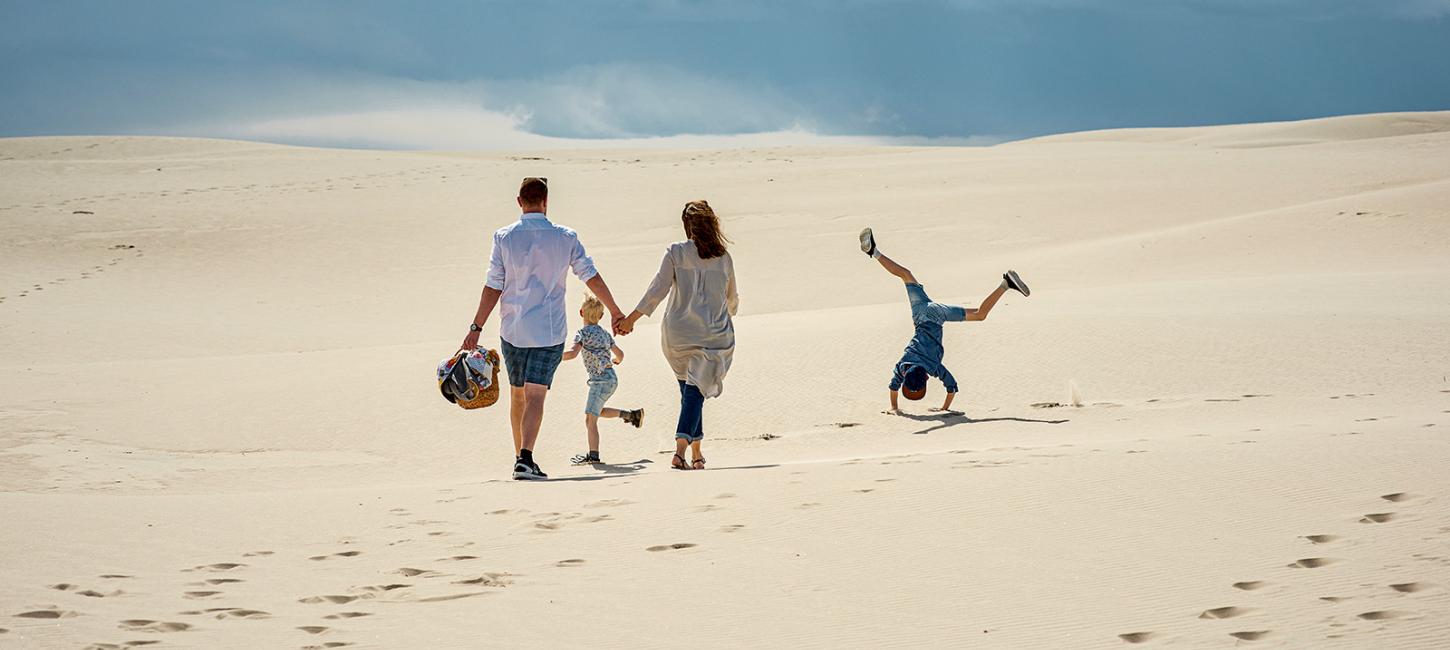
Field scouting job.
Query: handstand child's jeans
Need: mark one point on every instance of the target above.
(692, 413)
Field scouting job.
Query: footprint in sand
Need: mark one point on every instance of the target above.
(248, 614)
(222, 581)
(408, 572)
(671, 547)
(1224, 612)
(220, 566)
(1377, 518)
(458, 558)
(336, 599)
(1333, 599)
(488, 580)
(1249, 636)
(1250, 585)
(1138, 637)
(343, 615)
(1322, 539)
(200, 595)
(329, 644)
(48, 613)
(1383, 615)
(375, 589)
(313, 629)
(730, 528)
(342, 554)
(1398, 497)
(1411, 587)
(146, 625)
(89, 593)
(119, 646)
(1311, 563)
(569, 563)
(257, 554)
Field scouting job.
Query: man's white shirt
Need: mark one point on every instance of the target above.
(530, 259)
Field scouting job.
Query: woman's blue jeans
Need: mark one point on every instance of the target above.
(692, 413)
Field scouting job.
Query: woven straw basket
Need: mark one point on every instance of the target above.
(487, 396)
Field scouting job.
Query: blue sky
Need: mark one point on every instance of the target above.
(451, 74)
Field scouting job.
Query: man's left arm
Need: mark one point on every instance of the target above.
(583, 266)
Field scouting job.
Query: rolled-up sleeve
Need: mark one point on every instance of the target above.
(495, 266)
(580, 261)
(659, 288)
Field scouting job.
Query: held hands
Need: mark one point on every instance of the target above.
(622, 324)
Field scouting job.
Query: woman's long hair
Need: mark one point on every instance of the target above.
(703, 228)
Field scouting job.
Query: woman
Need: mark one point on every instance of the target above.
(697, 335)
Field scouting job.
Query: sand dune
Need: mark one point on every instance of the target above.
(219, 428)
(1272, 134)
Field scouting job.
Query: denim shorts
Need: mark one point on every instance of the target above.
(601, 388)
(924, 310)
(531, 365)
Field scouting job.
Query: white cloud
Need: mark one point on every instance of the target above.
(588, 106)
(471, 129)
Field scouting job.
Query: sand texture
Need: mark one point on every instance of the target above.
(1221, 420)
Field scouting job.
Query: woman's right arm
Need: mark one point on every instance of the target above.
(658, 290)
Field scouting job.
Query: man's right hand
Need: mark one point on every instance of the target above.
(470, 342)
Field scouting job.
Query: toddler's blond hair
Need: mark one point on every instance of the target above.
(592, 310)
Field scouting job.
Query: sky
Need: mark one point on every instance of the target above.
(481, 74)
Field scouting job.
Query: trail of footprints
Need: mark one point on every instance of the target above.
(119, 253)
(1310, 563)
(417, 584)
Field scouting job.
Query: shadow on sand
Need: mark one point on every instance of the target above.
(954, 418)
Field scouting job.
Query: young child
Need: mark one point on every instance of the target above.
(923, 356)
(600, 356)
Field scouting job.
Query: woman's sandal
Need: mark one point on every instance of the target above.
(678, 462)
(698, 463)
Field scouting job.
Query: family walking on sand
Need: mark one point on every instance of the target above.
(527, 274)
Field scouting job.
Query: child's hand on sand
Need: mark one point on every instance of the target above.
(891, 412)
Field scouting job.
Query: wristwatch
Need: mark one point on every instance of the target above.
(473, 327)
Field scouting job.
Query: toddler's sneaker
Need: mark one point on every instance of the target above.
(635, 417)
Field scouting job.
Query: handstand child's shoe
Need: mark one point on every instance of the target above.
(1015, 282)
(868, 243)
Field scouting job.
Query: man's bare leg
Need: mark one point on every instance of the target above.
(516, 416)
(534, 395)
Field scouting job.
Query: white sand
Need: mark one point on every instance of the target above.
(219, 385)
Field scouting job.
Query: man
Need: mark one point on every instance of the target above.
(526, 275)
